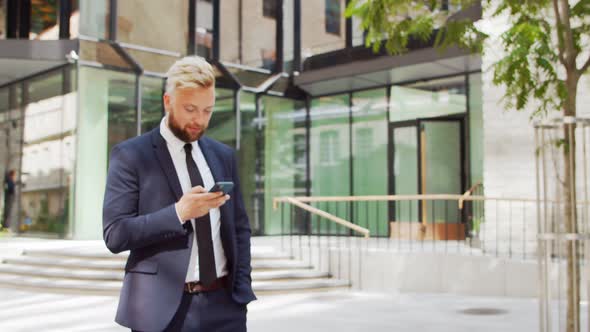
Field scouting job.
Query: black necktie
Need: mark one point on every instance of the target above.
(207, 271)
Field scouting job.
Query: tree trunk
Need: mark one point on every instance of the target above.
(570, 213)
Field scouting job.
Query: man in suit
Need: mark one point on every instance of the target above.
(189, 263)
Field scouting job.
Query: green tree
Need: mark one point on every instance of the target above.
(545, 52)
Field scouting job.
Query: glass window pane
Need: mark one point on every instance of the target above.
(204, 33)
(106, 117)
(330, 151)
(166, 21)
(152, 108)
(248, 154)
(3, 19)
(428, 99)
(44, 18)
(222, 126)
(94, 18)
(476, 128)
(122, 115)
(48, 154)
(369, 146)
(323, 28)
(405, 171)
(254, 43)
(10, 150)
(101, 53)
(288, 29)
(154, 62)
(284, 156)
(442, 168)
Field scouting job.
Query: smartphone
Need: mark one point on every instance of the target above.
(224, 186)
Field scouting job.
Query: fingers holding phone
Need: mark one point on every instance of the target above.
(197, 203)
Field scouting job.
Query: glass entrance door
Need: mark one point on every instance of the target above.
(426, 158)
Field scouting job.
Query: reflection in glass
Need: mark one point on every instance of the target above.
(405, 171)
(44, 15)
(253, 43)
(48, 154)
(323, 30)
(427, 99)
(101, 53)
(222, 125)
(204, 33)
(248, 154)
(122, 116)
(284, 156)
(152, 108)
(442, 168)
(152, 62)
(94, 18)
(10, 149)
(135, 17)
(329, 150)
(3, 19)
(369, 146)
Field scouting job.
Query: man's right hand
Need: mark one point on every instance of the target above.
(197, 203)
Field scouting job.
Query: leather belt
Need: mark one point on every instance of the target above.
(196, 286)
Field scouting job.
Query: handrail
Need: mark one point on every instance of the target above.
(444, 197)
(468, 193)
(295, 201)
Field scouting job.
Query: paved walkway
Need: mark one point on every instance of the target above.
(22, 311)
(342, 311)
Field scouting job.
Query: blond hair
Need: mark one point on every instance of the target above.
(190, 72)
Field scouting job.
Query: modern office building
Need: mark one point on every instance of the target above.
(309, 109)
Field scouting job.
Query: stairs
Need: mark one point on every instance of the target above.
(93, 270)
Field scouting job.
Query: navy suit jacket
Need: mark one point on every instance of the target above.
(139, 215)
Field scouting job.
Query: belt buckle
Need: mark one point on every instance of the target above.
(192, 287)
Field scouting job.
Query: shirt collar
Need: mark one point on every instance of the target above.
(175, 143)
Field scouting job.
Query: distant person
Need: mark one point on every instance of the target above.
(9, 189)
(189, 263)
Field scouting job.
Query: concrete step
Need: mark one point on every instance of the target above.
(119, 265)
(61, 273)
(102, 253)
(113, 287)
(262, 287)
(69, 286)
(109, 275)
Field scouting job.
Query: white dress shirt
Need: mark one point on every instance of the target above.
(176, 149)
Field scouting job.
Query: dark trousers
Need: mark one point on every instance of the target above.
(8, 199)
(208, 312)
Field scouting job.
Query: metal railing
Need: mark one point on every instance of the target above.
(467, 224)
(320, 238)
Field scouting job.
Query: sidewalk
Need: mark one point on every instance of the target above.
(343, 312)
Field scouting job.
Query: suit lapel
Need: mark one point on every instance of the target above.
(166, 163)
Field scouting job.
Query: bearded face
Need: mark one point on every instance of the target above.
(189, 111)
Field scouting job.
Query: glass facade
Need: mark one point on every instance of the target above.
(136, 17)
(204, 29)
(369, 153)
(56, 130)
(38, 122)
(94, 18)
(3, 19)
(152, 108)
(285, 157)
(324, 29)
(248, 33)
